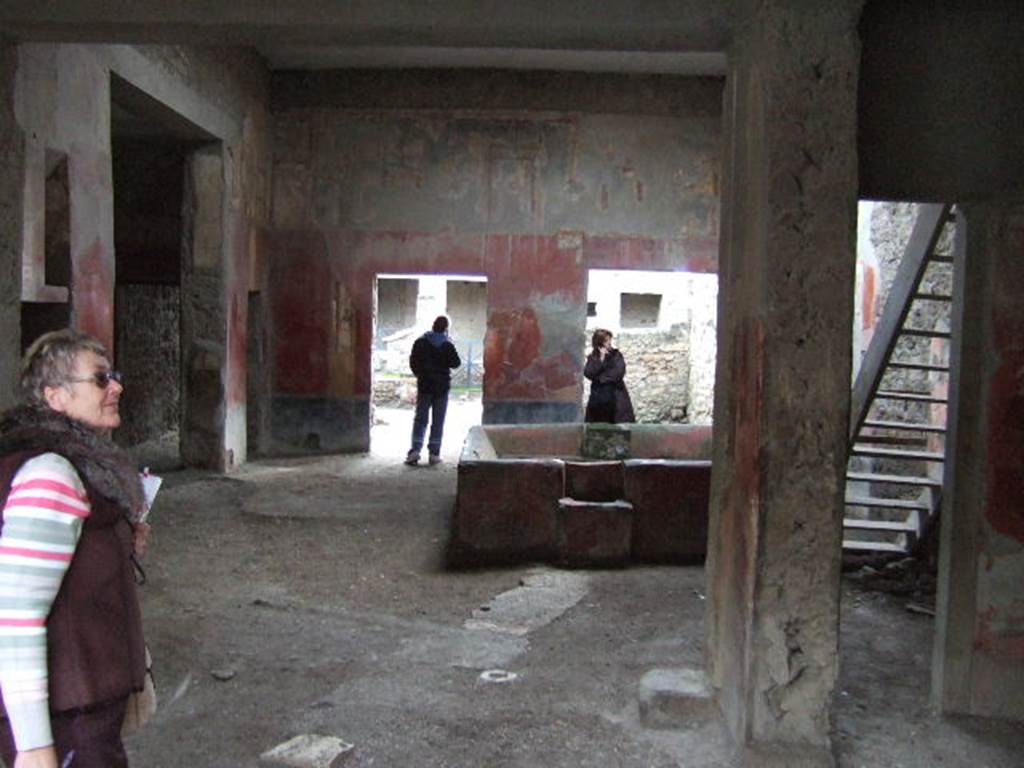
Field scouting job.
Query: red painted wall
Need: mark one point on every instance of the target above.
(530, 352)
(999, 624)
(322, 300)
(1000, 629)
(736, 536)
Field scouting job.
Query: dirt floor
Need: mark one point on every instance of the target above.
(312, 596)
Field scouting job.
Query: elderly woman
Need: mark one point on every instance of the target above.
(71, 645)
(606, 367)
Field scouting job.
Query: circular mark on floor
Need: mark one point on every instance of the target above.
(497, 676)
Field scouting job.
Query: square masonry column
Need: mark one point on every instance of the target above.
(786, 285)
(978, 659)
(12, 172)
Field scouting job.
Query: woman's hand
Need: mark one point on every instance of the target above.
(44, 757)
(140, 538)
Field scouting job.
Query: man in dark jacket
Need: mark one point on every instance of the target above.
(432, 358)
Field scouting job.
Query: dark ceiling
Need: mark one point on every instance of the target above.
(666, 36)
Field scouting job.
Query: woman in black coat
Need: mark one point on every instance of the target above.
(609, 400)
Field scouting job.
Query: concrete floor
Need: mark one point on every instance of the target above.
(311, 596)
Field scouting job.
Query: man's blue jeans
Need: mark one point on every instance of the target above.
(434, 405)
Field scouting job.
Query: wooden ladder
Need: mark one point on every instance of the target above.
(895, 464)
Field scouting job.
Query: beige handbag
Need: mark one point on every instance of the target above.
(141, 704)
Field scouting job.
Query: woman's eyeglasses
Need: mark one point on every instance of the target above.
(101, 379)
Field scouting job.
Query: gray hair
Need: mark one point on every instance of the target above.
(50, 361)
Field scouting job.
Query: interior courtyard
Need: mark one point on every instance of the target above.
(225, 194)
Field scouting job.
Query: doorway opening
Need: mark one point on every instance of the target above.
(405, 306)
(664, 323)
(902, 337)
(150, 151)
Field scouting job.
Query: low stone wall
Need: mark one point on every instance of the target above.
(394, 391)
(649, 504)
(658, 373)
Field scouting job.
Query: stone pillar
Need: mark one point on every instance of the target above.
(978, 659)
(203, 314)
(12, 173)
(786, 285)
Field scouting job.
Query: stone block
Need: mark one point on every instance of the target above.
(309, 751)
(670, 509)
(787, 756)
(607, 441)
(594, 533)
(507, 510)
(676, 698)
(593, 480)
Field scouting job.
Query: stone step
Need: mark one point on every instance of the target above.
(873, 477)
(904, 425)
(919, 397)
(932, 297)
(855, 545)
(594, 480)
(904, 441)
(909, 366)
(594, 533)
(676, 698)
(879, 525)
(875, 501)
(894, 453)
(925, 333)
(309, 750)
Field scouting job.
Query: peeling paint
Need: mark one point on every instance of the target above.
(733, 578)
(1004, 510)
(1000, 632)
(93, 293)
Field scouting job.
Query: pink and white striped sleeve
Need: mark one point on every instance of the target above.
(43, 518)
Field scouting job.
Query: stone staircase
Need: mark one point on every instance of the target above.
(595, 520)
(898, 406)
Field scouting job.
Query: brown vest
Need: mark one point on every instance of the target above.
(95, 649)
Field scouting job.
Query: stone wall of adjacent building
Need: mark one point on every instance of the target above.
(670, 367)
(891, 226)
(657, 372)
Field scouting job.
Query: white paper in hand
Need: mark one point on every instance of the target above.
(150, 485)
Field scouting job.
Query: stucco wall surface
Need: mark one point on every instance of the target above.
(520, 172)
(979, 649)
(63, 102)
(528, 198)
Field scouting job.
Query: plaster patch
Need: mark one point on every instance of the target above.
(543, 596)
